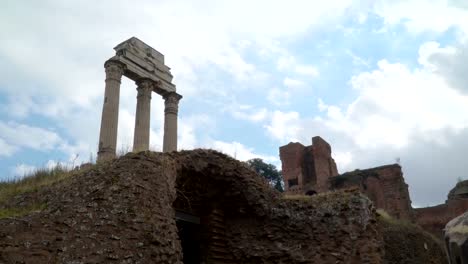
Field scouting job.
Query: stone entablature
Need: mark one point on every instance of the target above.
(145, 65)
(142, 61)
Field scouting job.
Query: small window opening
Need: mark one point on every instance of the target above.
(292, 182)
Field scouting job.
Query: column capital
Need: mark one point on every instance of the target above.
(145, 87)
(171, 102)
(114, 70)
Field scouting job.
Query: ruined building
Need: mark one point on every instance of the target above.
(311, 169)
(434, 218)
(195, 206)
(307, 168)
(199, 206)
(384, 185)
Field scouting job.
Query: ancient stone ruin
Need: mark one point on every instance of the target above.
(311, 170)
(144, 65)
(434, 218)
(307, 168)
(384, 185)
(201, 206)
(192, 206)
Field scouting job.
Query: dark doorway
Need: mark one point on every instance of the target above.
(189, 232)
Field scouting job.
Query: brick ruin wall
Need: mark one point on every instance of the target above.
(313, 168)
(384, 185)
(307, 168)
(434, 218)
(125, 212)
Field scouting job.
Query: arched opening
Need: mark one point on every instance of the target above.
(201, 209)
(311, 193)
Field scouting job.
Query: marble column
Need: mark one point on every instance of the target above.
(110, 110)
(141, 135)
(171, 104)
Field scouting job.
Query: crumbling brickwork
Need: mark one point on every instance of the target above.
(384, 185)
(312, 168)
(125, 211)
(307, 168)
(434, 218)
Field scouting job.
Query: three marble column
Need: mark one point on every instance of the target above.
(110, 114)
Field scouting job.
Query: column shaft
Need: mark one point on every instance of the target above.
(110, 111)
(170, 121)
(141, 136)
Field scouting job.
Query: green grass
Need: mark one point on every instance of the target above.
(325, 199)
(386, 217)
(32, 182)
(296, 197)
(402, 223)
(17, 212)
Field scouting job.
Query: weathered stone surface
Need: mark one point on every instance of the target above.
(110, 111)
(145, 65)
(141, 136)
(307, 168)
(384, 185)
(408, 243)
(456, 239)
(142, 61)
(171, 108)
(124, 212)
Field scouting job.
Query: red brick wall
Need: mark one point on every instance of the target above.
(434, 218)
(291, 162)
(384, 185)
(311, 165)
(396, 199)
(325, 166)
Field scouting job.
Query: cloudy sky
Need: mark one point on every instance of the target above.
(379, 80)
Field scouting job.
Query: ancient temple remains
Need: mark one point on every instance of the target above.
(144, 65)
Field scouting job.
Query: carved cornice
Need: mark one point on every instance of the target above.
(114, 70)
(171, 102)
(145, 87)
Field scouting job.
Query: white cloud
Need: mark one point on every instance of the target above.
(248, 112)
(50, 71)
(307, 70)
(6, 149)
(358, 61)
(289, 64)
(25, 136)
(412, 114)
(284, 126)
(22, 170)
(420, 15)
(278, 96)
(292, 83)
(191, 126)
(285, 62)
(344, 159)
(239, 151)
(448, 62)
